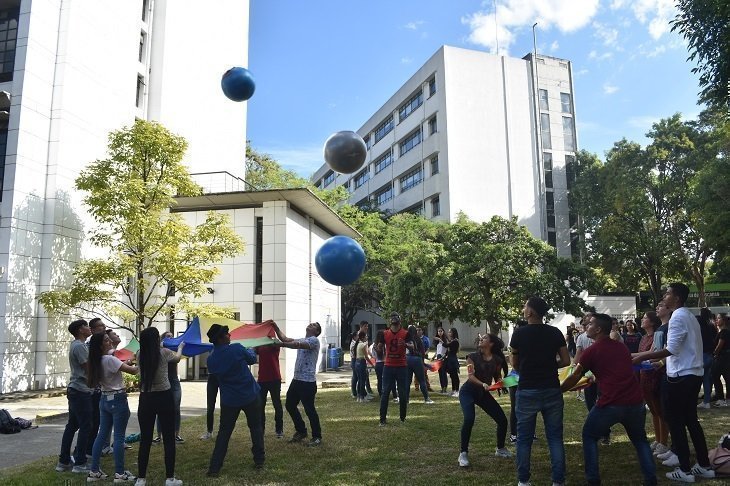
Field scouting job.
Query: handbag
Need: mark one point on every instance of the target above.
(720, 459)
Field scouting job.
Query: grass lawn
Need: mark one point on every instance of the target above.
(356, 451)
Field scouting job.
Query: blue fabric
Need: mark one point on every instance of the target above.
(194, 344)
(632, 417)
(229, 362)
(549, 402)
(112, 412)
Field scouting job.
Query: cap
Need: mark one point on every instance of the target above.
(216, 331)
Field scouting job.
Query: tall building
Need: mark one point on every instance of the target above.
(475, 133)
(71, 71)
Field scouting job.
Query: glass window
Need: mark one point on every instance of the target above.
(145, 6)
(568, 136)
(384, 195)
(547, 162)
(367, 141)
(413, 103)
(409, 142)
(140, 91)
(8, 36)
(570, 170)
(411, 179)
(545, 131)
(552, 241)
(565, 103)
(434, 165)
(362, 178)
(432, 127)
(328, 178)
(574, 245)
(142, 37)
(259, 256)
(435, 207)
(416, 209)
(544, 100)
(432, 86)
(550, 209)
(384, 128)
(383, 161)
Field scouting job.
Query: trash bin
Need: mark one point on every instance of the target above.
(333, 357)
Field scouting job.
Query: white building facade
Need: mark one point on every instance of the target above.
(473, 132)
(71, 72)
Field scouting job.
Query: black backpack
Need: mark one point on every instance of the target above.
(8, 425)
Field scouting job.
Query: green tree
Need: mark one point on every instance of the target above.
(149, 250)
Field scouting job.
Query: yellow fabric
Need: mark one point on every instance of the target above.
(564, 373)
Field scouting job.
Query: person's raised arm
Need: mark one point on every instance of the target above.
(178, 354)
(280, 334)
(127, 368)
(573, 379)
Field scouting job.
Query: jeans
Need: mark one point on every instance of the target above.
(177, 400)
(273, 388)
(211, 389)
(549, 402)
(229, 415)
(353, 380)
(681, 414)
(394, 377)
(303, 391)
(452, 367)
(707, 376)
(94, 427)
(79, 418)
(512, 415)
(471, 395)
(720, 369)
(152, 405)
(361, 369)
(415, 367)
(632, 417)
(113, 411)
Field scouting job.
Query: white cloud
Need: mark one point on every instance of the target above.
(512, 16)
(414, 25)
(554, 46)
(406, 60)
(655, 14)
(617, 4)
(580, 72)
(600, 57)
(609, 89)
(608, 35)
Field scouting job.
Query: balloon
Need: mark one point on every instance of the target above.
(340, 260)
(345, 152)
(238, 84)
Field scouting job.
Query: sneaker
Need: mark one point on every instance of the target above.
(703, 472)
(463, 460)
(179, 440)
(126, 447)
(721, 403)
(297, 437)
(681, 476)
(107, 451)
(665, 455)
(126, 476)
(96, 476)
(704, 405)
(369, 396)
(382, 424)
(524, 484)
(661, 449)
(513, 438)
(454, 393)
(82, 469)
(673, 461)
(141, 482)
(396, 400)
(428, 402)
(360, 400)
(653, 445)
(173, 482)
(503, 452)
(157, 440)
(314, 442)
(206, 436)
(61, 467)
(280, 434)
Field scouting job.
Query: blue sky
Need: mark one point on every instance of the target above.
(327, 65)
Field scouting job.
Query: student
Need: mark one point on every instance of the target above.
(239, 391)
(269, 379)
(484, 366)
(620, 399)
(414, 361)
(156, 400)
(105, 370)
(452, 359)
(97, 326)
(78, 395)
(440, 342)
(378, 352)
(176, 389)
(395, 371)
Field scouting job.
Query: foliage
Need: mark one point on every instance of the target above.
(704, 25)
(149, 250)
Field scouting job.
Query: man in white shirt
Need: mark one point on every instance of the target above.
(683, 355)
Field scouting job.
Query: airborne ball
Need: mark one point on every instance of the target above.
(345, 152)
(340, 261)
(238, 84)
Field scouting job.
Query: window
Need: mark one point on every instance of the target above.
(383, 129)
(413, 103)
(432, 86)
(563, 65)
(383, 161)
(547, 162)
(8, 37)
(409, 142)
(367, 141)
(570, 170)
(259, 256)
(363, 203)
(3, 151)
(140, 91)
(545, 131)
(384, 195)
(574, 245)
(416, 209)
(362, 178)
(328, 178)
(346, 184)
(544, 105)
(411, 179)
(565, 103)
(435, 207)
(434, 165)
(432, 127)
(568, 137)
(552, 241)
(145, 7)
(142, 39)
(550, 209)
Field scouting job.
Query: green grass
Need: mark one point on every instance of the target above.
(356, 451)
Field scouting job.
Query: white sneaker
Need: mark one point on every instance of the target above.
(702, 472)
(455, 394)
(463, 460)
(396, 400)
(206, 436)
(141, 482)
(673, 461)
(428, 402)
(681, 476)
(125, 477)
(107, 451)
(524, 484)
(173, 482)
(703, 405)
(82, 469)
(721, 403)
(665, 455)
(503, 452)
(660, 449)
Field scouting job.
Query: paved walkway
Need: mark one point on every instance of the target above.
(50, 411)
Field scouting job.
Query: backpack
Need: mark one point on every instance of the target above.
(8, 425)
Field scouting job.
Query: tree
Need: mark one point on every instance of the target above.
(150, 253)
(705, 26)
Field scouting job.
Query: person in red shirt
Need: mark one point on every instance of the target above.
(395, 370)
(620, 400)
(269, 379)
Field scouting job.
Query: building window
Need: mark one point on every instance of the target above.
(416, 209)
(409, 142)
(568, 137)
(145, 7)
(8, 37)
(328, 178)
(142, 42)
(346, 185)
(362, 178)
(563, 65)
(544, 105)
(367, 141)
(574, 245)
(259, 256)
(570, 171)
(565, 103)
(545, 131)
(413, 103)
(384, 128)
(435, 207)
(552, 241)
(434, 165)
(140, 91)
(384, 195)
(432, 127)
(3, 151)
(432, 86)
(411, 179)
(547, 162)
(550, 209)
(384, 161)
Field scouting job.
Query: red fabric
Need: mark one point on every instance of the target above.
(123, 354)
(252, 331)
(395, 347)
(610, 362)
(268, 363)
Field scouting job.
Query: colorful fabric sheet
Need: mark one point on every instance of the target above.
(196, 339)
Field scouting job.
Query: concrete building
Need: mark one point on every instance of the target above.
(475, 133)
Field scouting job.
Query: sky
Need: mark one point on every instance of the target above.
(322, 66)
